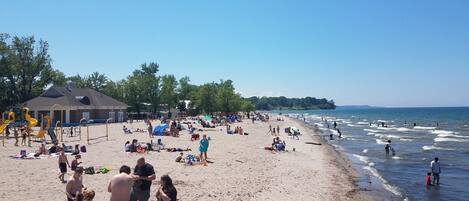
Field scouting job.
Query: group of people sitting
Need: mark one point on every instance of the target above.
(138, 147)
(237, 130)
(278, 145)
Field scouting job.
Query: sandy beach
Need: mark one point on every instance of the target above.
(241, 170)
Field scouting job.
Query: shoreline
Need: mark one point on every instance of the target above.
(365, 182)
(341, 161)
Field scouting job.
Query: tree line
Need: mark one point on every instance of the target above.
(26, 71)
(279, 103)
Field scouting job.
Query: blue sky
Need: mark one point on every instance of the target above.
(384, 53)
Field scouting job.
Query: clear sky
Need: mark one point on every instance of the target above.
(384, 53)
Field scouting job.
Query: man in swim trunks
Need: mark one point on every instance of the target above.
(121, 185)
(74, 186)
(63, 163)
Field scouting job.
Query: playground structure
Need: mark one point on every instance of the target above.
(55, 130)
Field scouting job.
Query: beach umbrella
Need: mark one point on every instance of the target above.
(159, 130)
(208, 117)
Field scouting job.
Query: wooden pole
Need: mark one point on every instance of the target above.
(107, 129)
(43, 128)
(61, 123)
(88, 133)
(82, 122)
(4, 132)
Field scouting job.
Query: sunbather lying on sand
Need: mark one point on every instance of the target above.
(177, 149)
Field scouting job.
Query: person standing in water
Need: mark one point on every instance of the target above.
(387, 147)
(340, 133)
(436, 170)
(335, 125)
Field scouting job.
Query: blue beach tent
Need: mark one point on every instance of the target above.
(159, 130)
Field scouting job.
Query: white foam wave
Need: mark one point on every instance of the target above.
(353, 125)
(396, 158)
(393, 136)
(442, 139)
(318, 124)
(385, 183)
(371, 130)
(405, 139)
(402, 129)
(362, 158)
(386, 128)
(363, 123)
(424, 128)
(379, 141)
(433, 147)
(365, 151)
(442, 132)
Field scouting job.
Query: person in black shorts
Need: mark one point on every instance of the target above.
(143, 175)
(63, 163)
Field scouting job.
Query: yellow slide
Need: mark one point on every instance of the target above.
(31, 121)
(4, 125)
(42, 132)
(11, 118)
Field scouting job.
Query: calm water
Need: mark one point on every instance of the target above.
(440, 132)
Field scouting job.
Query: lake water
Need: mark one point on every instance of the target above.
(439, 132)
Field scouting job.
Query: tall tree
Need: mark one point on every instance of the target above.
(143, 87)
(96, 81)
(25, 68)
(168, 93)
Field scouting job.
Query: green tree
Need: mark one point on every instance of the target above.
(168, 92)
(205, 98)
(143, 87)
(25, 69)
(96, 81)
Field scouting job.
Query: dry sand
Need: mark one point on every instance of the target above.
(242, 169)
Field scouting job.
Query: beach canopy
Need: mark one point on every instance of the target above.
(159, 130)
(292, 130)
(208, 117)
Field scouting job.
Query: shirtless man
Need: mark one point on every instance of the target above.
(74, 189)
(120, 185)
(63, 163)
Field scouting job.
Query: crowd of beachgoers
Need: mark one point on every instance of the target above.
(141, 140)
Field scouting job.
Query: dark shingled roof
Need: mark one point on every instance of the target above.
(73, 97)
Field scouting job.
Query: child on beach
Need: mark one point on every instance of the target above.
(15, 133)
(428, 180)
(63, 163)
(23, 136)
(75, 162)
(180, 158)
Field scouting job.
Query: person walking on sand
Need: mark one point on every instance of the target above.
(203, 148)
(167, 191)
(74, 188)
(436, 170)
(150, 129)
(121, 185)
(143, 175)
(278, 129)
(63, 164)
(270, 129)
